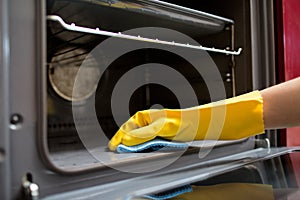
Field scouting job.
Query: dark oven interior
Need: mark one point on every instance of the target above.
(71, 50)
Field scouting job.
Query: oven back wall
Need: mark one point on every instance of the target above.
(239, 12)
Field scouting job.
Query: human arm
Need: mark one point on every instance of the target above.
(235, 118)
(282, 105)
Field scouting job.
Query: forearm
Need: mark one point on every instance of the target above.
(282, 105)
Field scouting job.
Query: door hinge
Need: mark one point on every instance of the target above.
(30, 189)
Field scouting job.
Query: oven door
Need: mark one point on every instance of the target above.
(245, 175)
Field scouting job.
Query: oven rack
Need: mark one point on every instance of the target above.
(97, 31)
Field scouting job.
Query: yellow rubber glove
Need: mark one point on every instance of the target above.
(230, 119)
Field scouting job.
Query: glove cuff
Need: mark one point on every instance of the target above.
(235, 118)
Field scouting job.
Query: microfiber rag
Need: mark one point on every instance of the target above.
(170, 193)
(152, 145)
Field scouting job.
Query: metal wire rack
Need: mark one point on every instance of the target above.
(97, 31)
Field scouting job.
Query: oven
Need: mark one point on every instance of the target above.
(74, 71)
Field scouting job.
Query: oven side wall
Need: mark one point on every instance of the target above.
(22, 19)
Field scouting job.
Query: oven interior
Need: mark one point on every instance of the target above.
(219, 25)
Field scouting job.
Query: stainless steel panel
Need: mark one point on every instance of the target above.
(5, 147)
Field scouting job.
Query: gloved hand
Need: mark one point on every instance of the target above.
(230, 119)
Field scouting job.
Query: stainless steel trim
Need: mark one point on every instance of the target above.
(5, 146)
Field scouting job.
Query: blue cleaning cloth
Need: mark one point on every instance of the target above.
(171, 193)
(153, 145)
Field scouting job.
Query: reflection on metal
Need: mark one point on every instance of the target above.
(2, 155)
(97, 31)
